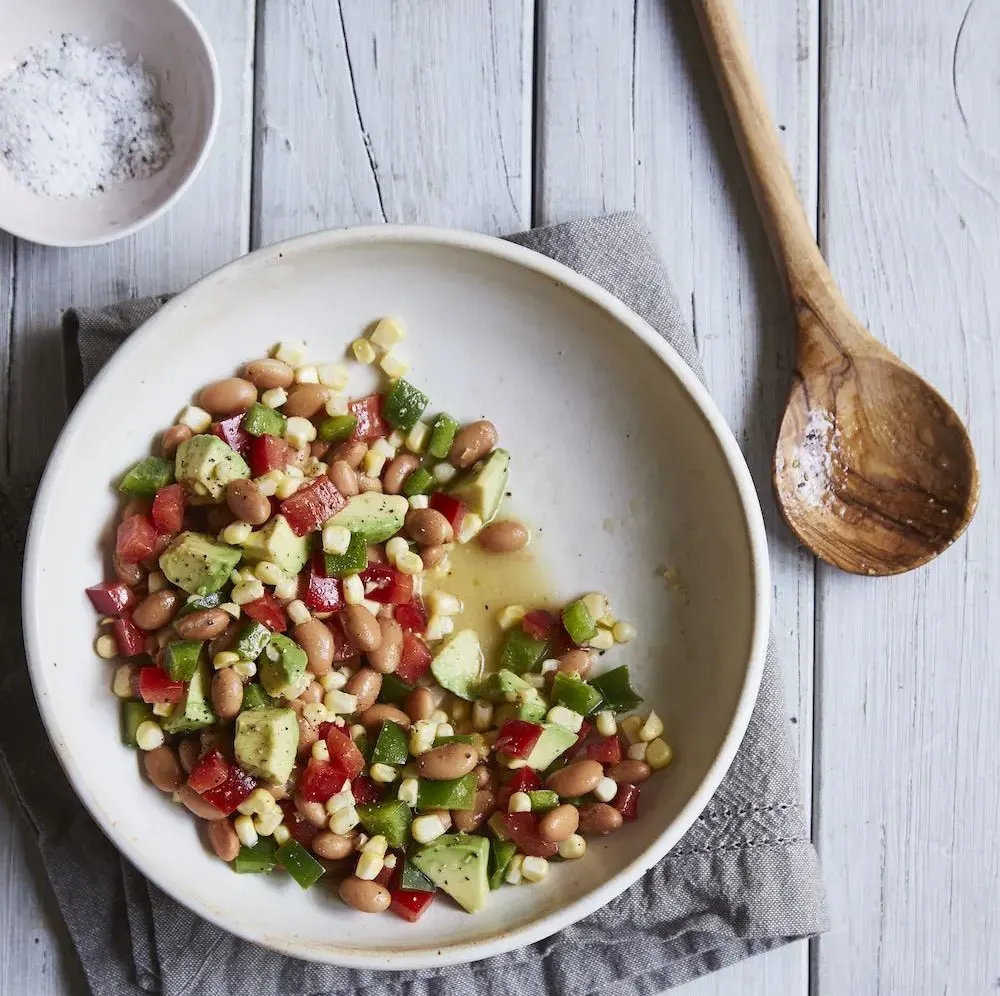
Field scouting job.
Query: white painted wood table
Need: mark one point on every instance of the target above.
(498, 115)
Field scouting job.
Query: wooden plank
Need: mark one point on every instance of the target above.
(207, 228)
(909, 691)
(630, 117)
(425, 112)
(6, 323)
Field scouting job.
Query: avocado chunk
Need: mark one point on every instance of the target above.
(373, 515)
(198, 564)
(281, 665)
(458, 863)
(205, 465)
(503, 686)
(459, 663)
(277, 544)
(555, 740)
(528, 705)
(483, 488)
(193, 711)
(266, 742)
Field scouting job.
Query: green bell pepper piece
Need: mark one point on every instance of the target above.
(418, 482)
(336, 428)
(574, 693)
(180, 658)
(501, 854)
(354, 561)
(442, 436)
(392, 745)
(578, 622)
(147, 477)
(495, 825)
(394, 690)
(253, 638)
(388, 819)
(411, 877)
(543, 800)
(262, 421)
(256, 860)
(366, 745)
(458, 738)
(403, 405)
(134, 713)
(520, 652)
(615, 686)
(197, 602)
(299, 863)
(254, 697)
(453, 793)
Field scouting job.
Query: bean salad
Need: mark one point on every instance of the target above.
(292, 670)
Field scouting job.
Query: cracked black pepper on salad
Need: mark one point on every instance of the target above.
(297, 675)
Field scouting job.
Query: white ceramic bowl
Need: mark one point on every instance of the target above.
(176, 50)
(621, 460)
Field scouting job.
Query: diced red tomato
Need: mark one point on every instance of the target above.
(136, 539)
(320, 780)
(538, 624)
(342, 648)
(323, 729)
(522, 829)
(130, 639)
(525, 780)
(344, 754)
(415, 659)
(582, 734)
(267, 453)
(365, 791)
(168, 510)
(237, 786)
(111, 598)
(299, 828)
(517, 738)
(267, 612)
(312, 505)
(607, 750)
(209, 772)
(155, 685)
(627, 801)
(451, 508)
(319, 592)
(388, 586)
(412, 616)
(232, 433)
(368, 412)
(409, 903)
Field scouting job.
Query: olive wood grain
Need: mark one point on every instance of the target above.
(873, 470)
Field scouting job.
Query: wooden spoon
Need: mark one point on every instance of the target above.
(873, 470)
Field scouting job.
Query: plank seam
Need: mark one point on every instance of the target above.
(257, 127)
(8, 331)
(536, 157)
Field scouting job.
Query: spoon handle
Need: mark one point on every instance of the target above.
(788, 229)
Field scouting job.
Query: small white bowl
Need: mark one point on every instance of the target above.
(176, 50)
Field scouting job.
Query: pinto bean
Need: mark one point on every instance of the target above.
(365, 684)
(598, 819)
(332, 846)
(419, 704)
(428, 527)
(575, 779)
(188, 750)
(197, 805)
(304, 400)
(386, 656)
(163, 768)
(172, 438)
(364, 896)
(559, 823)
(505, 536)
(247, 502)
(361, 628)
(366, 484)
(485, 777)
(204, 624)
(131, 574)
(472, 443)
(315, 638)
(227, 396)
(575, 662)
(227, 693)
(448, 761)
(314, 813)
(223, 839)
(352, 452)
(432, 555)
(630, 772)
(268, 373)
(226, 640)
(397, 470)
(308, 731)
(344, 477)
(376, 715)
(467, 820)
(156, 610)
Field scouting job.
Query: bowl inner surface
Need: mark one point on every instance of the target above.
(172, 50)
(614, 465)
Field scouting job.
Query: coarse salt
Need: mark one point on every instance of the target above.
(76, 120)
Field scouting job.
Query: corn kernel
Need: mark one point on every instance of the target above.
(566, 718)
(267, 485)
(520, 802)
(372, 606)
(281, 834)
(336, 539)
(535, 680)
(637, 752)
(344, 820)
(376, 845)
(306, 375)
(419, 501)
(513, 874)
(364, 351)
(337, 405)
(369, 865)
(224, 659)
(374, 462)
(597, 604)
(357, 731)
(605, 723)
(106, 647)
(408, 792)
(389, 861)
(534, 869)
(441, 603)
(122, 684)
(482, 715)
(460, 709)
(266, 823)
(258, 801)
(469, 529)
(606, 789)
(354, 590)
(340, 703)
(286, 588)
(630, 727)
(409, 563)
(245, 669)
(395, 547)
(195, 418)
(333, 375)
(422, 735)
(658, 754)
(163, 709)
(273, 398)
(443, 472)
(299, 431)
(603, 640)
(297, 612)
(359, 841)
(388, 333)
(623, 632)
(416, 438)
(439, 716)
(394, 365)
(340, 800)
(652, 728)
(510, 616)
(320, 751)
(438, 627)
(314, 712)
(427, 828)
(247, 591)
(149, 735)
(237, 533)
(269, 573)
(383, 774)
(243, 825)
(332, 681)
(156, 581)
(292, 353)
(573, 847)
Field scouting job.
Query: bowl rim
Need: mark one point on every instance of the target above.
(440, 953)
(215, 97)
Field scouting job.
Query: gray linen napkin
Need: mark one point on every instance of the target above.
(743, 880)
